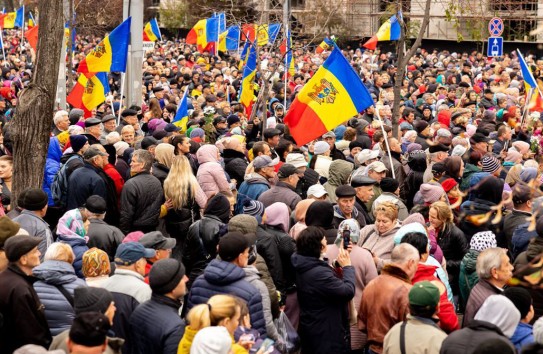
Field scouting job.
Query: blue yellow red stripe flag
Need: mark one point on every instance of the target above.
(232, 38)
(246, 94)
(389, 31)
(89, 92)
(244, 54)
(326, 44)
(20, 17)
(7, 20)
(182, 115)
(151, 32)
(527, 75)
(289, 58)
(204, 33)
(334, 94)
(111, 53)
(31, 21)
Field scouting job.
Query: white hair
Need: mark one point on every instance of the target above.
(113, 138)
(59, 251)
(403, 253)
(59, 115)
(489, 259)
(75, 130)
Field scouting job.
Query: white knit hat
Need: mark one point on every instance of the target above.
(211, 340)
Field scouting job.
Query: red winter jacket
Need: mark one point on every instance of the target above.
(448, 321)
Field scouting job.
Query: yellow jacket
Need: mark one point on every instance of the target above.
(186, 341)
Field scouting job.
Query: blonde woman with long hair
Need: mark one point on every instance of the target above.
(186, 197)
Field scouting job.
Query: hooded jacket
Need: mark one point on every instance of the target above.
(281, 192)
(521, 239)
(414, 179)
(448, 321)
(58, 311)
(323, 299)
(339, 173)
(251, 188)
(222, 277)
(210, 174)
(470, 337)
(253, 277)
(52, 165)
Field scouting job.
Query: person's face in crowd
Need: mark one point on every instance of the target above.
(95, 130)
(330, 141)
(298, 80)
(503, 274)
(181, 289)
(279, 113)
(481, 147)
(31, 259)
(6, 169)
(267, 151)
(159, 95)
(84, 148)
(136, 166)
(110, 125)
(355, 151)
(395, 145)
(131, 120)
(434, 220)
(222, 125)
(364, 193)
(62, 125)
(268, 172)
(378, 176)
(346, 205)
(232, 323)
(184, 146)
(273, 141)
(383, 223)
(410, 118)
(104, 159)
(128, 137)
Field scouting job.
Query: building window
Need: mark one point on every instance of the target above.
(513, 6)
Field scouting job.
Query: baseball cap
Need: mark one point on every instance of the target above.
(366, 155)
(297, 160)
(329, 134)
(155, 240)
(264, 161)
(424, 294)
(377, 166)
(131, 252)
(170, 127)
(316, 190)
(286, 170)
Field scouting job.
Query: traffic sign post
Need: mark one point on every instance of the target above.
(494, 47)
(495, 42)
(495, 27)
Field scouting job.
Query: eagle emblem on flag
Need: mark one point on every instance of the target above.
(325, 92)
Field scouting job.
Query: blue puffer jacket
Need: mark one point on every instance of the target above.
(221, 277)
(523, 335)
(156, 327)
(52, 165)
(58, 311)
(79, 246)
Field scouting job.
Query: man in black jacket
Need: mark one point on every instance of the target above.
(155, 325)
(141, 197)
(86, 181)
(23, 315)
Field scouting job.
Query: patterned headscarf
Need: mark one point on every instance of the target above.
(95, 263)
(483, 240)
(71, 225)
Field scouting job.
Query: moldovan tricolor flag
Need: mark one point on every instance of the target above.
(333, 95)
(111, 53)
(204, 33)
(389, 31)
(89, 92)
(182, 115)
(151, 32)
(247, 92)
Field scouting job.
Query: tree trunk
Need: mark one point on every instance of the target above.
(403, 59)
(31, 127)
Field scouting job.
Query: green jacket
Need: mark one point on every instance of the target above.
(468, 275)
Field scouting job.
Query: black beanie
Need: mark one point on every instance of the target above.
(89, 329)
(389, 185)
(232, 245)
(219, 206)
(520, 298)
(34, 199)
(90, 299)
(165, 275)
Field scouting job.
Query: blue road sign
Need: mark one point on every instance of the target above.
(495, 47)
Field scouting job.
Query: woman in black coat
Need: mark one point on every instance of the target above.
(323, 296)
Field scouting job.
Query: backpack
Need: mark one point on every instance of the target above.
(59, 187)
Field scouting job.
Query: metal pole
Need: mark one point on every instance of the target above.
(286, 32)
(385, 136)
(123, 79)
(134, 8)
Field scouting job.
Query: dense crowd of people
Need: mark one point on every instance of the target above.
(228, 237)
